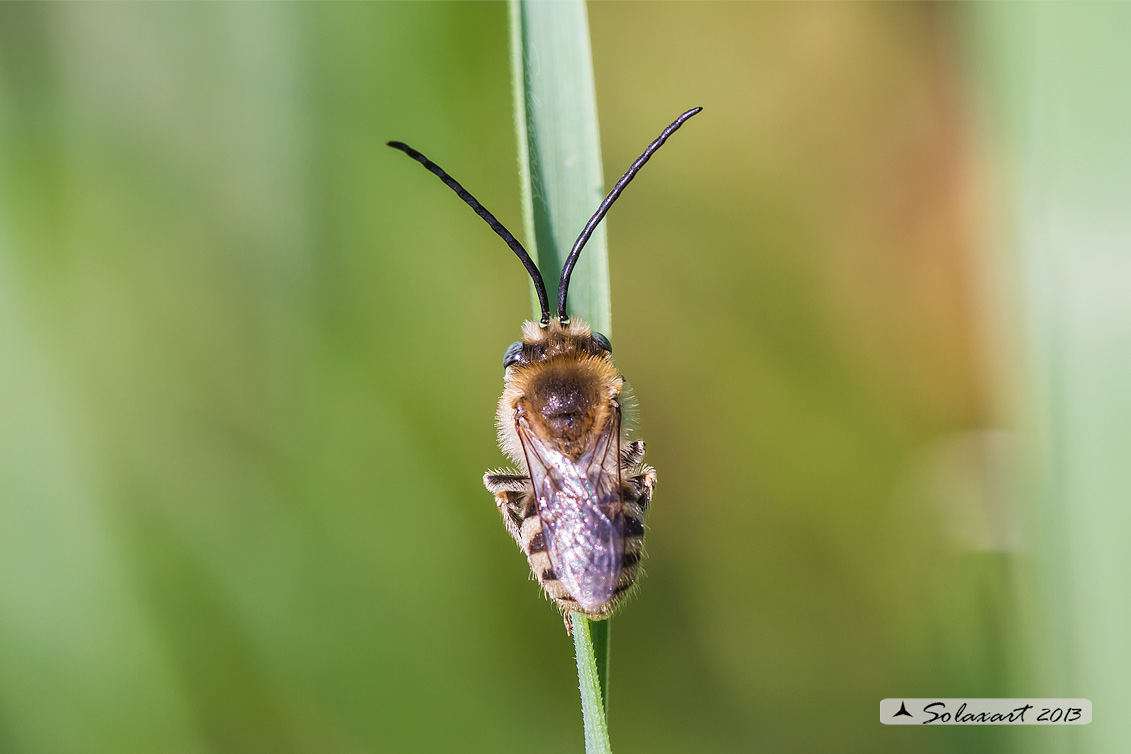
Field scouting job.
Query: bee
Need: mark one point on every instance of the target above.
(576, 504)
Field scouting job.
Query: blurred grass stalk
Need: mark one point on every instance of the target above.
(555, 106)
(1055, 80)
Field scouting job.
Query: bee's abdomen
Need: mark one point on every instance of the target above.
(533, 540)
(516, 501)
(633, 551)
(538, 556)
(637, 495)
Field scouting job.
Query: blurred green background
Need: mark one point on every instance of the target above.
(249, 359)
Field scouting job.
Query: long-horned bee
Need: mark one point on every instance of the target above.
(576, 505)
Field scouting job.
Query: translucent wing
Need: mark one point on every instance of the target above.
(581, 508)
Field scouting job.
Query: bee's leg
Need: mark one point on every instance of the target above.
(498, 481)
(631, 455)
(513, 507)
(512, 496)
(639, 488)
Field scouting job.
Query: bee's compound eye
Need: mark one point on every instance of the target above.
(512, 354)
(602, 341)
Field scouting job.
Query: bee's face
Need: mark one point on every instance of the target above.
(541, 344)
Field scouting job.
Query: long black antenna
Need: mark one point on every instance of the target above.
(571, 260)
(462, 193)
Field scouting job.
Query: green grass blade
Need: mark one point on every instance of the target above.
(560, 163)
(560, 149)
(601, 633)
(596, 730)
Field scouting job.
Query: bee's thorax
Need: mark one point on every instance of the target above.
(564, 384)
(565, 399)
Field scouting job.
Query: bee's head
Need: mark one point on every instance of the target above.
(556, 340)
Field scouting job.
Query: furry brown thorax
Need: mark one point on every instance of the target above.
(563, 382)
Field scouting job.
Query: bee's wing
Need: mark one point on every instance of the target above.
(581, 507)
